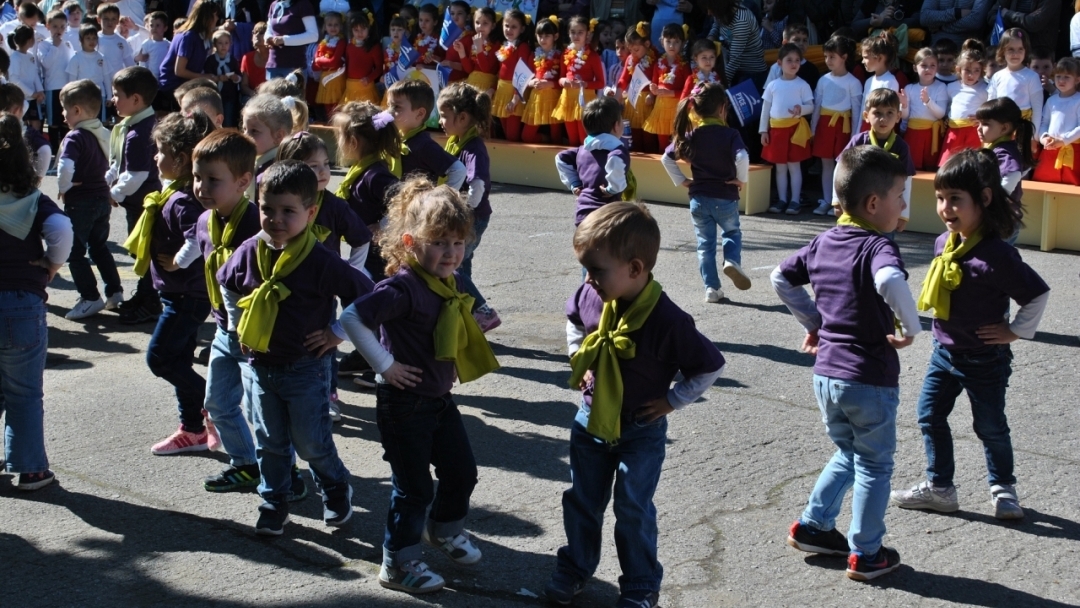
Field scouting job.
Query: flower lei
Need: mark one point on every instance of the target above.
(392, 53)
(358, 42)
(644, 62)
(667, 76)
(505, 51)
(487, 48)
(545, 65)
(424, 42)
(332, 41)
(574, 60)
(701, 79)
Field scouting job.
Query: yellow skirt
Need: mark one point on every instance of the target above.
(661, 120)
(540, 107)
(504, 94)
(568, 109)
(332, 92)
(482, 80)
(639, 113)
(356, 90)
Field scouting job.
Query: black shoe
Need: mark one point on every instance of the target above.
(272, 518)
(337, 506)
(352, 364)
(233, 478)
(34, 481)
(638, 599)
(298, 489)
(825, 542)
(864, 569)
(143, 313)
(562, 588)
(127, 306)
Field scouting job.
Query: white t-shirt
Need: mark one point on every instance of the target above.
(781, 95)
(964, 101)
(939, 101)
(54, 61)
(156, 49)
(91, 65)
(117, 52)
(24, 73)
(838, 94)
(1061, 118)
(1022, 86)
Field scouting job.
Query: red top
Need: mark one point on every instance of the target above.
(327, 58)
(512, 54)
(255, 74)
(484, 61)
(648, 65)
(363, 63)
(452, 56)
(426, 45)
(590, 70)
(547, 69)
(668, 79)
(696, 78)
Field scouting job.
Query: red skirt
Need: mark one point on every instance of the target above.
(829, 141)
(780, 149)
(920, 146)
(963, 138)
(1045, 171)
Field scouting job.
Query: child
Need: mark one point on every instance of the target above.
(74, 13)
(923, 105)
(329, 62)
(253, 64)
(53, 56)
(965, 97)
(207, 100)
(619, 432)
(24, 72)
(163, 242)
(426, 42)
(224, 69)
(26, 267)
(89, 64)
(1018, 82)
(969, 286)
(411, 102)
(399, 31)
(153, 50)
(479, 60)
(878, 53)
(720, 165)
(581, 76)
(668, 79)
(641, 56)
(1042, 63)
(12, 101)
(80, 177)
(290, 339)
(860, 290)
(785, 133)
(992, 65)
(268, 122)
(464, 114)
(507, 105)
(597, 172)
(945, 52)
(540, 107)
(1060, 128)
(1004, 131)
(363, 59)
(133, 172)
(837, 97)
(799, 35)
(460, 10)
(116, 50)
(703, 66)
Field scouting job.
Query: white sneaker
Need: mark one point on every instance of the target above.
(735, 272)
(335, 407)
(927, 496)
(85, 308)
(114, 301)
(1006, 503)
(824, 207)
(410, 577)
(459, 548)
(712, 296)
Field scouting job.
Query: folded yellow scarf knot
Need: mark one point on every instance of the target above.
(944, 275)
(1065, 157)
(221, 238)
(256, 324)
(138, 242)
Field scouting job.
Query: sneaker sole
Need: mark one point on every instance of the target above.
(1009, 515)
(926, 506)
(869, 576)
(814, 548)
(337, 523)
(37, 485)
(741, 281)
(269, 532)
(562, 601)
(230, 488)
(199, 447)
(412, 590)
(451, 557)
(81, 317)
(488, 328)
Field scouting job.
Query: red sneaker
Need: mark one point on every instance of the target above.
(181, 441)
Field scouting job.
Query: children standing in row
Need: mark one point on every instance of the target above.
(785, 133)
(1017, 81)
(838, 98)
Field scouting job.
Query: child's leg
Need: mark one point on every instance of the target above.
(703, 214)
(575, 132)
(795, 175)
(592, 468)
(132, 211)
(82, 223)
(271, 420)
(936, 401)
(465, 270)
(828, 165)
(652, 144)
(637, 140)
(512, 128)
(641, 451)
(727, 216)
(171, 355)
(305, 391)
(556, 132)
(97, 243)
(228, 388)
(530, 134)
(985, 379)
(22, 375)
(781, 170)
(455, 467)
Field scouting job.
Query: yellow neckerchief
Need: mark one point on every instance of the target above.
(713, 122)
(887, 146)
(454, 145)
(138, 242)
(321, 232)
(800, 135)
(835, 115)
(395, 162)
(458, 337)
(221, 239)
(256, 324)
(1000, 140)
(601, 350)
(962, 123)
(119, 134)
(853, 220)
(922, 124)
(344, 190)
(1026, 114)
(944, 275)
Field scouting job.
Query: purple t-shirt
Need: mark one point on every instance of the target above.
(993, 273)
(668, 342)
(287, 21)
(406, 311)
(343, 223)
(172, 228)
(425, 157)
(139, 153)
(16, 271)
(899, 149)
(840, 265)
(248, 227)
(367, 197)
(187, 44)
(713, 165)
(1008, 157)
(310, 306)
(591, 169)
(477, 166)
(83, 150)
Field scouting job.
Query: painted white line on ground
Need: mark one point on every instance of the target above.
(533, 236)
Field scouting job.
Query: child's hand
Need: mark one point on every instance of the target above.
(235, 78)
(141, 57)
(810, 343)
(899, 343)
(39, 96)
(764, 139)
(924, 95)
(321, 341)
(586, 380)
(460, 48)
(650, 99)
(996, 333)
(736, 183)
(1034, 147)
(795, 111)
(168, 264)
(113, 203)
(654, 89)
(48, 266)
(901, 224)
(245, 349)
(402, 376)
(654, 410)
(687, 182)
(576, 191)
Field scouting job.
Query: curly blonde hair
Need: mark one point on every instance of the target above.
(426, 212)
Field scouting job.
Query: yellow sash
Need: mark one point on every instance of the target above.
(835, 115)
(962, 123)
(1026, 114)
(802, 133)
(1065, 157)
(922, 124)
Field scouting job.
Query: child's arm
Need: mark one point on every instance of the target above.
(806, 108)
(477, 189)
(763, 123)
(381, 361)
(818, 94)
(615, 173)
(1035, 90)
(797, 300)
(42, 160)
(566, 164)
(905, 215)
(233, 312)
(1071, 135)
(65, 167)
(57, 233)
(455, 175)
(127, 183)
(891, 284)
(673, 170)
(1026, 321)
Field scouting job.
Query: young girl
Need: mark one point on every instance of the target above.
(508, 106)
(24, 72)
(460, 12)
(969, 286)
(26, 266)
(399, 30)
(363, 59)
(641, 56)
(419, 311)
(703, 66)
(426, 43)
(1017, 81)
(720, 166)
(1004, 131)
(785, 135)
(1060, 128)
(668, 79)
(878, 54)
(299, 111)
(478, 60)
(837, 98)
(581, 76)
(329, 63)
(923, 104)
(543, 99)
(267, 121)
(465, 113)
(965, 97)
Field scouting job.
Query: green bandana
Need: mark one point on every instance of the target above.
(261, 306)
(715, 122)
(138, 242)
(888, 142)
(395, 162)
(321, 232)
(945, 274)
(454, 145)
(17, 214)
(601, 351)
(119, 134)
(854, 220)
(355, 172)
(1000, 140)
(457, 336)
(221, 239)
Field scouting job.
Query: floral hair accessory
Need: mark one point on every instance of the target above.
(593, 23)
(685, 30)
(641, 29)
(381, 120)
(300, 134)
(554, 19)
(369, 15)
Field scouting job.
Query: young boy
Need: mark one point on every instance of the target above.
(860, 289)
(1042, 63)
(410, 102)
(74, 12)
(88, 63)
(799, 35)
(53, 57)
(154, 49)
(945, 51)
(290, 339)
(12, 101)
(207, 100)
(621, 426)
(116, 50)
(596, 172)
(133, 172)
(81, 184)
(222, 67)
(883, 114)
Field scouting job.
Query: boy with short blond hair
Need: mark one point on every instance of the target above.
(411, 103)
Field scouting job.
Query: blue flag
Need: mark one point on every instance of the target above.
(391, 76)
(444, 75)
(407, 57)
(450, 32)
(998, 31)
(746, 102)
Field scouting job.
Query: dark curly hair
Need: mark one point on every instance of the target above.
(177, 135)
(19, 176)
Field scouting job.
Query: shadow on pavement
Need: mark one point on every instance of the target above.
(1035, 523)
(767, 351)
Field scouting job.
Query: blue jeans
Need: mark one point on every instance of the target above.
(228, 401)
(171, 354)
(288, 405)
(861, 420)
(984, 374)
(708, 213)
(465, 270)
(24, 340)
(419, 432)
(634, 464)
(90, 223)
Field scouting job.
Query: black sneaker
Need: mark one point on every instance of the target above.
(353, 363)
(298, 489)
(143, 313)
(272, 518)
(34, 481)
(127, 306)
(825, 542)
(562, 587)
(864, 569)
(638, 599)
(337, 506)
(233, 478)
